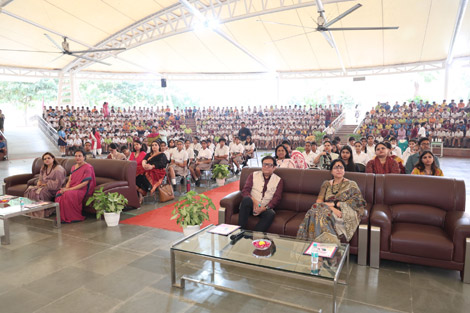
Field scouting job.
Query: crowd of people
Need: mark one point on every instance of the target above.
(446, 122)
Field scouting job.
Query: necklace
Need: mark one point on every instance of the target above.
(339, 187)
(49, 171)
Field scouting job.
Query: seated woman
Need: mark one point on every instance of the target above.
(154, 165)
(426, 165)
(114, 154)
(51, 179)
(296, 156)
(138, 156)
(337, 211)
(282, 157)
(382, 163)
(80, 184)
(347, 156)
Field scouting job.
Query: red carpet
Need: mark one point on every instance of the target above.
(160, 218)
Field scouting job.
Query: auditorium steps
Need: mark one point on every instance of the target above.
(190, 123)
(344, 131)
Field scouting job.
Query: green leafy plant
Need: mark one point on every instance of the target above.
(356, 136)
(319, 136)
(266, 154)
(192, 209)
(301, 149)
(112, 202)
(220, 171)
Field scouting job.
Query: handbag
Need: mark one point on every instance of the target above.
(165, 193)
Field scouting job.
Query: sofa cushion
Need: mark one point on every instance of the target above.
(293, 224)
(418, 214)
(424, 241)
(277, 227)
(17, 190)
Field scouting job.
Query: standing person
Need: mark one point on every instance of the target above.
(2, 121)
(370, 147)
(62, 142)
(95, 141)
(382, 163)
(50, 180)
(337, 211)
(427, 165)
(422, 131)
(261, 195)
(80, 184)
(105, 109)
(243, 132)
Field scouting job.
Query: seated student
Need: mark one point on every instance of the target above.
(282, 157)
(114, 154)
(400, 162)
(395, 149)
(337, 211)
(125, 150)
(309, 154)
(359, 156)
(3, 149)
(196, 146)
(296, 156)
(88, 150)
(382, 163)
(179, 163)
(409, 150)
(249, 150)
(427, 165)
(325, 158)
(236, 155)
(261, 194)
(424, 145)
(346, 155)
(203, 162)
(221, 153)
(190, 152)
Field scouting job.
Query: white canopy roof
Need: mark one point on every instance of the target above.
(165, 36)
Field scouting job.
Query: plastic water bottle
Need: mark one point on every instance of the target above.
(315, 253)
(188, 183)
(21, 203)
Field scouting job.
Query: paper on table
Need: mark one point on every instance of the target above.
(325, 250)
(224, 229)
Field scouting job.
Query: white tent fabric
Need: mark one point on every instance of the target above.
(244, 42)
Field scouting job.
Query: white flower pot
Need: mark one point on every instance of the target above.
(190, 229)
(220, 181)
(112, 219)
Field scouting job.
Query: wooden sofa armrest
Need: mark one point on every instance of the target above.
(381, 216)
(457, 226)
(231, 203)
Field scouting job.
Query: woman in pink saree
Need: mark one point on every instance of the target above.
(80, 184)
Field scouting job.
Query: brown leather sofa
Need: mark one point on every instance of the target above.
(301, 188)
(420, 220)
(112, 175)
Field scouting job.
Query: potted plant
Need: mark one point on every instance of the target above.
(108, 204)
(191, 210)
(220, 172)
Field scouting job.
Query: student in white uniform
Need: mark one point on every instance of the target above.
(236, 155)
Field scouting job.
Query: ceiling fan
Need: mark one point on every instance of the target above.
(64, 49)
(323, 26)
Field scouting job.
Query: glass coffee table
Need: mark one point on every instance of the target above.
(10, 207)
(284, 257)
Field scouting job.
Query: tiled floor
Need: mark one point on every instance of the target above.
(87, 267)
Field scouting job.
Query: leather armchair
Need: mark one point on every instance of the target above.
(421, 220)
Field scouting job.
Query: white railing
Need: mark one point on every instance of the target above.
(337, 123)
(48, 130)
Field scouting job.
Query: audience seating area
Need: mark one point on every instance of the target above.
(447, 122)
(420, 219)
(112, 175)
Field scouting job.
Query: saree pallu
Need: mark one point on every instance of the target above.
(322, 225)
(71, 201)
(299, 160)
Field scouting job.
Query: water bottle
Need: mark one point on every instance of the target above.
(315, 253)
(21, 203)
(188, 183)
